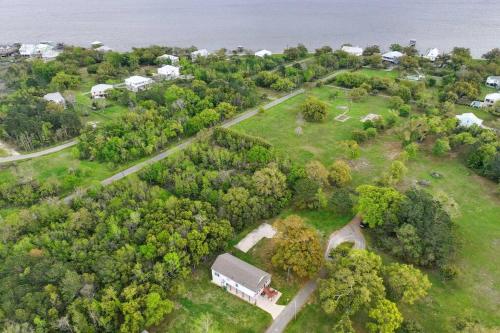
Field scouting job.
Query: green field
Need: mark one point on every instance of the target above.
(475, 294)
(392, 74)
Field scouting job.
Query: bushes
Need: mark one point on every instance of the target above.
(350, 80)
(234, 140)
(313, 109)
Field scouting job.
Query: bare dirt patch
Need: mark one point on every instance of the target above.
(359, 164)
(392, 150)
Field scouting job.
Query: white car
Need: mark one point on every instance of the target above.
(476, 104)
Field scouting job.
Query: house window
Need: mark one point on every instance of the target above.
(216, 274)
(236, 285)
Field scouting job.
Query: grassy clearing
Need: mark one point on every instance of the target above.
(228, 313)
(392, 74)
(319, 140)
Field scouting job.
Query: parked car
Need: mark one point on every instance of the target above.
(476, 104)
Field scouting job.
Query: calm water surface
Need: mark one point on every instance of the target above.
(270, 24)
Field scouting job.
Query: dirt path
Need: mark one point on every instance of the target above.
(48, 151)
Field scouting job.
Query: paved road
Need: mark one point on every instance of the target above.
(186, 143)
(38, 153)
(350, 232)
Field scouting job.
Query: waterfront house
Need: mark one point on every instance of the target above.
(469, 119)
(239, 277)
(169, 72)
(7, 50)
(27, 50)
(263, 53)
(432, 54)
(392, 56)
(50, 54)
(96, 44)
(199, 53)
(493, 81)
(104, 49)
(491, 99)
(168, 57)
(55, 97)
(100, 90)
(137, 83)
(354, 50)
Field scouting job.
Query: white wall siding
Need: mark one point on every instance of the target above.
(223, 281)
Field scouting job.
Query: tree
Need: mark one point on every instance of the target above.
(492, 55)
(298, 247)
(63, 81)
(352, 283)
(339, 173)
(441, 147)
(370, 50)
(376, 204)
(306, 193)
(316, 171)
(357, 94)
(235, 207)
(396, 102)
(156, 308)
(412, 150)
(386, 317)
(341, 202)
(313, 109)
(270, 182)
(405, 283)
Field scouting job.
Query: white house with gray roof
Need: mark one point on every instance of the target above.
(239, 277)
(493, 81)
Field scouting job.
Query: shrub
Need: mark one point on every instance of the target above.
(404, 110)
(359, 136)
(441, 147)
(313, 109)
(371, 132)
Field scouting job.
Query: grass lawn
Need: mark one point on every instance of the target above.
(227, 312)
(318, 140)
(3, 153)
(392, 74)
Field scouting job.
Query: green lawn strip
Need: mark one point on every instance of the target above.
(201, 297)
(393, 74)
(3, 153)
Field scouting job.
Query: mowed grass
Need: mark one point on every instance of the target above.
(200, 297)
(392, 74)
(318, 140)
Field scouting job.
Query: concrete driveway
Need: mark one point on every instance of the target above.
(265, 230)
(350, 233)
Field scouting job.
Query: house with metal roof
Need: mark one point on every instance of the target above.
(432, 54)
(354, 50)
(168, 57)
(239, 277)
(169, 72)
(55, 97)
(137, 83)
(491, 99)
(199, 53)
(392, 56)
(263, 53)
(493, 81)
(468, 119)
(100, 90)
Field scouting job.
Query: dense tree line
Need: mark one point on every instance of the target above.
(115, 259)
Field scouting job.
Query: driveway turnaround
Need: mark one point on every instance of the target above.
(350, 233)
(55, 149)
(263, 231)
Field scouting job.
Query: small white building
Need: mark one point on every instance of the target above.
(137, 83)
(432, 54)
(96, 44)
(169, 72)
(104, 49)
(239, 277)
(55, 97)
(469, 119)
(27, 50)
(263, 53)
(199, 53)
(493, 81)
(491, 99)
(392, 56)
(354, 50)
(166, 57)
(49, 55)
(100, 90)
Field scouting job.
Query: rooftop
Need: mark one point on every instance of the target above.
(241, 272)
